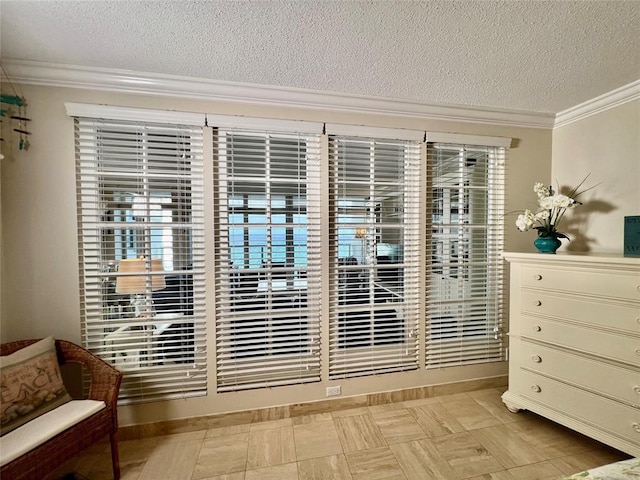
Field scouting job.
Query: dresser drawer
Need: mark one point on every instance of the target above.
(618, 382)
(623, 348)
(616, 316)
(608, 415)
(622, 285)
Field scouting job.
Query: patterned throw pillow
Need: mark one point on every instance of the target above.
(30, 384)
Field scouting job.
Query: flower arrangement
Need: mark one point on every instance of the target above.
(551, 208)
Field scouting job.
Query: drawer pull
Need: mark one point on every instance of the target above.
(537, 276)
(638, 352)
(536, 388)
(636, 427)
(536, 358)
(636, 389)
(537, 303)
(537, 328)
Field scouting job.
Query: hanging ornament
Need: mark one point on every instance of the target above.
(22, 120)
(20, 117)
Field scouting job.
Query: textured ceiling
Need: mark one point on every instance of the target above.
(543, 56)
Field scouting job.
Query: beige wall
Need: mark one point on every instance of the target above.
(606, 146)
(39, 244)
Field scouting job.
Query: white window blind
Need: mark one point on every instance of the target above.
(464, 300)
(374, 234)
(267, 264)
(141, 244)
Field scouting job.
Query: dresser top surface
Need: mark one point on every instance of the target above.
(572, 258)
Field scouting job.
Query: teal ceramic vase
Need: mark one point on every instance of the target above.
(547, 244)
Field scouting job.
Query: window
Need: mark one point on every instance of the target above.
(141, 244)
(464, 275)
(267, 205)
(414, 232)
(374, 233)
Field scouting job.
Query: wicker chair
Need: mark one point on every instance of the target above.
(105, 380)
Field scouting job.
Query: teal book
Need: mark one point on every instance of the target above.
(632, 236)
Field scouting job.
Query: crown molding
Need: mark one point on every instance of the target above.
(619, 96)
(125, 81)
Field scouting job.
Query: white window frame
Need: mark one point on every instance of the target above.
(161, 349)
(374, 308)
(418, 269)
(283, 303)
(465, 312)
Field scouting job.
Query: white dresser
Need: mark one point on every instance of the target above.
(574, 343)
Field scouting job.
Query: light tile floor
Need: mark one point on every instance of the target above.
(462, 436)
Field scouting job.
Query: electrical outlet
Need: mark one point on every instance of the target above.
(334, 391)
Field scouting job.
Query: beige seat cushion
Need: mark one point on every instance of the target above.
(46, 426)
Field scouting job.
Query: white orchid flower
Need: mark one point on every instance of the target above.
(552, 207)
(546, 203)
(543, 215)
(525, 221)
(541, 190)
(562, 201)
